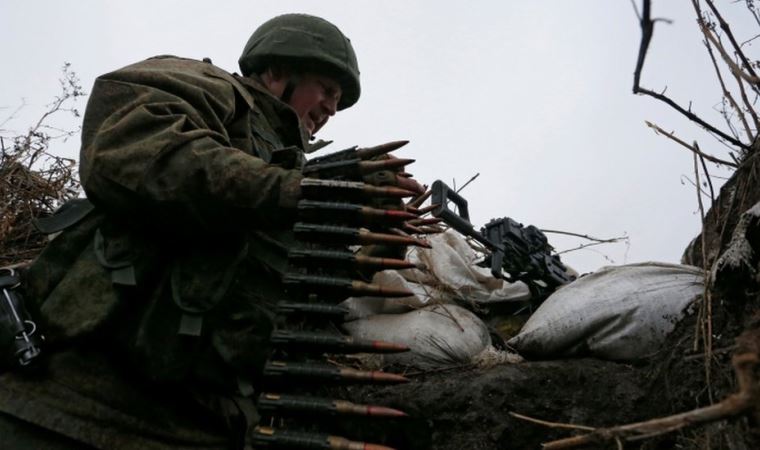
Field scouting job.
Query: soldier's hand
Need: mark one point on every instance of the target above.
(407, 182)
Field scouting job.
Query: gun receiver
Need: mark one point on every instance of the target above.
(522, 252)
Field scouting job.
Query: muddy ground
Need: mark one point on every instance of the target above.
(469, 408)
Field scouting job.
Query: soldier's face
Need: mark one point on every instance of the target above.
(315, 99)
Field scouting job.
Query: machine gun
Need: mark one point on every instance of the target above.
(518, 253)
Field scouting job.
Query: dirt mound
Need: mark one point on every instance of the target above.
(33, 180)
(471, 409)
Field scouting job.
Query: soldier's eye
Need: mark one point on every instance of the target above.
(329, 90)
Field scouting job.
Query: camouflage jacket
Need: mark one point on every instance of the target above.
(174, 271)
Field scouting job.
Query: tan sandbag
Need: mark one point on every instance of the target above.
(448, 271)
(618, 313)
(438, 335)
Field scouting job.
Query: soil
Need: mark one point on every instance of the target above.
(470, 408)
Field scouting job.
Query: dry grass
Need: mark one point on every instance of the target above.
(33, 181)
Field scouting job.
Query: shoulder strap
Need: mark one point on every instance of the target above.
(67, 215)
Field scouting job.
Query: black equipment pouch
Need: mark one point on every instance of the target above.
(20, 340)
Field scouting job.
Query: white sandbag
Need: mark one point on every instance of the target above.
(438, 335)
(618, 313)
(448, 272)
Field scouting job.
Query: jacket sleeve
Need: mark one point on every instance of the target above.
(155, 142)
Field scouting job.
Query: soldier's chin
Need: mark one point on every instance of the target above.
(316, 127)
(310, 127)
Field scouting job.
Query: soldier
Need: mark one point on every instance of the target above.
(157, 297)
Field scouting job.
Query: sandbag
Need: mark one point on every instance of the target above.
(617, 313)
(447, 273)
(438, 335)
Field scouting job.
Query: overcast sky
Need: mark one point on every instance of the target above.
(533, 95)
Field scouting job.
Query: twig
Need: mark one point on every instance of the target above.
(439, 370)
(13, 115)
(647, 29)
(584, 246)
(746, 101)
(750, 40)
(726, 93)
(448, 314)
(716, 351)
(741, 402)
(672, 136)
(737, 48)
(468, 182)
(752, 79)
(708, 177)
(585, 236)
(636, 10)
(691, 182)
(570, 426)
(706, 323)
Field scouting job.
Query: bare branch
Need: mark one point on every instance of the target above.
(737, 48)
(550, 424)
(13, 114)
(750, 39)
(726, 93)
(590, 244)
(752, 79)
(585, 236)
(468, 182)
(705, 325)
(707, 176)
(691, 182)
(672, 136)
(736, 404)
(33, 181)
(647, 29)
(636, 9)
(747, 104)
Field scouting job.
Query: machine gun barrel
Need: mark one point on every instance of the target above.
(523, 252)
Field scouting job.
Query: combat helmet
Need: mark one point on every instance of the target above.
(305, 41)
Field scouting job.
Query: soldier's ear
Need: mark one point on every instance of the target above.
(275, 84)
(278, 72)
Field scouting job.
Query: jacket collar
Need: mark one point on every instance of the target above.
(273, 106)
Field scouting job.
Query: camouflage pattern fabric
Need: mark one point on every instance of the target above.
(171, 279)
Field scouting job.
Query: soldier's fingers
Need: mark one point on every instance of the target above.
(410, 184)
